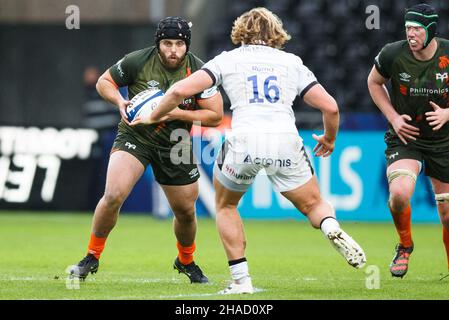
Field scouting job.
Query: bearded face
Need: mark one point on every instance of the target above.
(172, 52)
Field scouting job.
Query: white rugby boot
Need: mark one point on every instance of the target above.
(245, 286)
(347, 247)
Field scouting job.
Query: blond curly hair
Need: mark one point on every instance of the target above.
(259, 26)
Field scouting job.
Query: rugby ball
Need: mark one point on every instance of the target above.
(143, 103)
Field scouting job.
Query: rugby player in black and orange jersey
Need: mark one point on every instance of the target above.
(418, 115)
(137, 147)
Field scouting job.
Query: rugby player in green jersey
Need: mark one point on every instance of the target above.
(137, 147)
(418, 116)
(264, 136)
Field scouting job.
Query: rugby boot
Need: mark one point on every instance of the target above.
(399, 264)
(191, 270)
(347, 247)
(245, 287)
(82, 269)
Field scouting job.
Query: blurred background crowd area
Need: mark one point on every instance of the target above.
(49, 72)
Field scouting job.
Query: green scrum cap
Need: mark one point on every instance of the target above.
(425, 16)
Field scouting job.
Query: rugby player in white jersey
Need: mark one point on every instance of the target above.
(262, 81)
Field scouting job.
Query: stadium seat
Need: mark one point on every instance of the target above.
(333, 32)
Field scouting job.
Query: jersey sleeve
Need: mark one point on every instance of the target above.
(125, 71)
(121, 72)
(208, 93)
(306, 80)
(384, 61)
(214, 70)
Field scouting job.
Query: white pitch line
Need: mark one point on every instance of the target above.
(137, 280)
(149, 280)
(309, 279)
(25, 278)
(201, 294)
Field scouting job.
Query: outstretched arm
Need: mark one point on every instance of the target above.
(210, 113)
(196, 83)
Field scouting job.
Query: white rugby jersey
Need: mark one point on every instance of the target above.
(261, 83)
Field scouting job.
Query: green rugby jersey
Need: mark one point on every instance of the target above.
(142, 69)
(414, 83)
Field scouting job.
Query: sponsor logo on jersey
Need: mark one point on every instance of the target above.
(129, 145)
(404, 77)
(193, 173)
(403, 90)
(441, 76)
(444, 62)
(209, 92)
(236, 175)
(153, 84)
(424, 92)
(268, 161)
(259, 68)
(188, 103)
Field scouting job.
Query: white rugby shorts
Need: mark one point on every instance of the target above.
(281, 156)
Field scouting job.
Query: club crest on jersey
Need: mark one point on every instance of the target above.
(442, 76)
(404, 77)
(392, 156)
(152, 84)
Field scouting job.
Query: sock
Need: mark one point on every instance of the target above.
(402, 222)
(328, 225)
(446, 243)
(185, 254)
(96, 246)
(239, 269)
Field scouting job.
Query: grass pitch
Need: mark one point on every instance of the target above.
(288, 260)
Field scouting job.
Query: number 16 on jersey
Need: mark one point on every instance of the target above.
(270, 92)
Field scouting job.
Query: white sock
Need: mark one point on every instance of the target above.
(328, 225)
(239, 271)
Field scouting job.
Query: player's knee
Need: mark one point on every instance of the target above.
(113, 199)
(399, 197)
(184, 214)
(399, 201)
(444, 216)
(308, 206)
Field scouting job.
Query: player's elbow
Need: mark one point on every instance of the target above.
(218, 115)
(215, 120)
(98, 85)
(331, 107)
(374, 80)
(370, 82)
(178, 92)
(101, 85)
(214, 117)
(374, 87)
